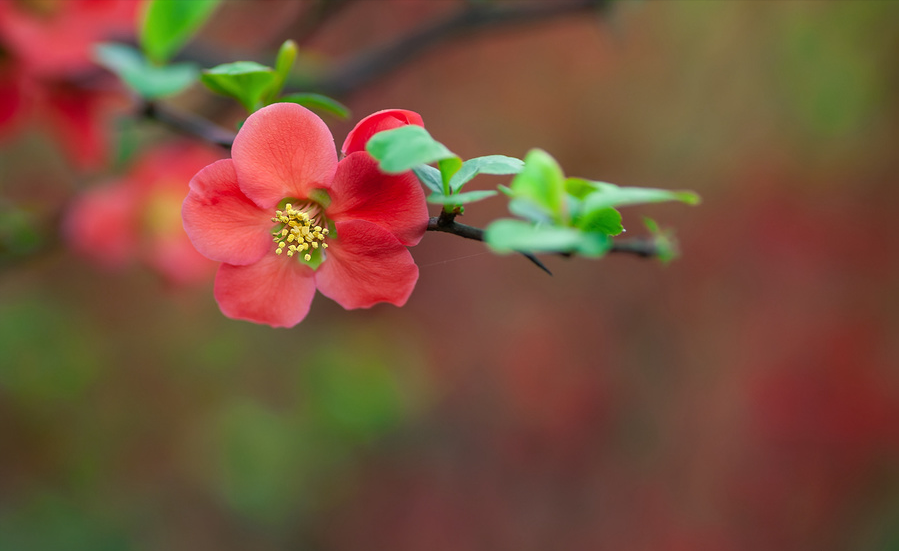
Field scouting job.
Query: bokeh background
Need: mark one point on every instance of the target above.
(743, 397)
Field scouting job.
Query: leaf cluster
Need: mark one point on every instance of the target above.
(165, 27)
(554, 213)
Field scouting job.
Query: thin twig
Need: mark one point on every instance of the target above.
(639, 246)
(445, 223)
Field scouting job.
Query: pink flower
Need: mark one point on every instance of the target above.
(46, 72)
(138, 217)
(387, 119)
(284, 218)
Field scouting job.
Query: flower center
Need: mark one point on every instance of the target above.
(299, 231)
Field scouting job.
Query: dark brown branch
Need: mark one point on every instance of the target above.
(376, 62)
(312, 20)
(188, 123)
(446, 223)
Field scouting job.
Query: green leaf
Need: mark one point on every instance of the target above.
(430, 177)
(507, 235)
(169, 24)
(606, 220)
(287, 54)
(147, 80)
(448, 168)
(579, 187)
(542, 182)
(318, 102)
(246, 81)
(490, 164)
(610, 195)
(406, 147)
(664, 240)
(461, 198)
(593, 244)
(526, 208)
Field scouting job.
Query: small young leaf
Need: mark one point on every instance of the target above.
(169, 24)
(146, 80)
(448, 167)
(246, 81)
(507, 235)
(541, 181)
(406, 147)
(287, 54)
(527, 209)
(461, 198)
(579, 187)
(430, 177)
(606, 220)
(664, 240)
(593, 244)
(318, 102)
(610, 195)
(490, 164)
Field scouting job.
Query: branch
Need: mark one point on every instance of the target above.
(188, 123)
(639, 246)
(374, 63)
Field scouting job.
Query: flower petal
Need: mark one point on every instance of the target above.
(365, 265)
(387, 119)
(222, 223)
(283, 150)
(396, 202)
(276, 291)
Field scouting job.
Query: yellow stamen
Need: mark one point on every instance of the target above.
(299, 227)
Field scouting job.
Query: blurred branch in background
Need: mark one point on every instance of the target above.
(373, 64)
(187, 123)
(476, 17)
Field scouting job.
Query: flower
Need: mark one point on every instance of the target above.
(46, 71)
(387, 119)
(138, 217)
(285, 217)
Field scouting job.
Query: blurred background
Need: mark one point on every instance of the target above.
(745, 396)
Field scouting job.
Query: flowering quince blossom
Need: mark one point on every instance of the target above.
(387, 119)
(139, 217)
(285, 217)
(45, 61)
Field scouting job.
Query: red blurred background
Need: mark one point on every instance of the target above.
(745, 396)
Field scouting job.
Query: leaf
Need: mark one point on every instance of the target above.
(448, 168)
(287, 55)
(246, 81)
(490, 164)
(406, 147)
(168, 25)
(147, 80)
(430, 177)
(461, 198)
(606, 220)
(318, 102)
(541, 181)
(579, 187)
(507, 235)
(593, 244)
(664, 241)
(526, 208)
(610, 195)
